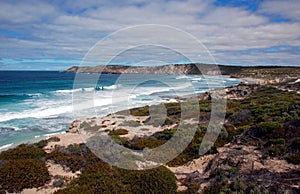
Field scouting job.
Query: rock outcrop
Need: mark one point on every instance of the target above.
(261, 72)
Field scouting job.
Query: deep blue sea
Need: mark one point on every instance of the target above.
(37, 103)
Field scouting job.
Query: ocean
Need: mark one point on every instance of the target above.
(37, 103)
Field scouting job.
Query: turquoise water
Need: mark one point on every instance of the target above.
(36, 103)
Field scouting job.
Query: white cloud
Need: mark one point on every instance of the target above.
(22, 11)
(233, 17)
(285, 8)
(67, 29)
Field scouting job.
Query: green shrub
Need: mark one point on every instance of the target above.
(130, 123)
(94, 183)
(54, 139)
(267, 127)
(168, 121)
(276, 141)
(140, 111)
(294, 159)
(276, 150)
(173, 108)
(164, 135)
(192, 188)
(41, 144)
(118, 132)
(101, 178)
(157, 180)
(238, 185)
(74, 162)
(149, 143)
(22, 152)
(44, 142)
(17, 175)
(97, 166)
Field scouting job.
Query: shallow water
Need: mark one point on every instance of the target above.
(36, 103)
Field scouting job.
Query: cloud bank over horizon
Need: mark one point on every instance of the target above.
(53, 35)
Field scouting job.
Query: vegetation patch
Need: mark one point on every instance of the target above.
(118, 132)
(294, 159)
(23, 152)
(44, 142)
(99, 177)
(140, 111)
(264, 128)
(130, 123)
(19, 174)
(69, 161)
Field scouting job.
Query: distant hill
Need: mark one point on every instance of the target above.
(206, 69)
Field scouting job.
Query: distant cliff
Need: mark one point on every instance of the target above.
(265, 72)
(206, 69)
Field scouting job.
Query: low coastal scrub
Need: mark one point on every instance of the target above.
(23, 167)
(141, 143)
(68, 161)
(16, 175)
(130, 123)
(294, 159)
(140, 111)
(99, 177)
(264, 128)
(268, 118)
(44, 142)
(114, 180)
(23, 152)
(118, 132)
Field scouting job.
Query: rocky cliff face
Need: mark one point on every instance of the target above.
(165, 69)
(261, 72)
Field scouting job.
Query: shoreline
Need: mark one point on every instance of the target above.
(113, 121)
(243, 80)
(37, 138)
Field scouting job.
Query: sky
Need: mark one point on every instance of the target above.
(55, 34)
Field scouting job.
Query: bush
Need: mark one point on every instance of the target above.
(191, 188)
(17, 175)
(164, 135)
(276, 150)
(238, 185)
(149, 143)
(267, 127)
(276, 141)
(130, 123)
(22, 152)
(157, 180)
(41, 144)
(115, 180)
(94, 183)
(140, 111)
(71, 161)
(294, 159)
(44, 142)
(118, 132)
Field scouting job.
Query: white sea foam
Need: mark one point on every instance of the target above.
(112, 87)
(196, 79)
(89, 89)
(181, 77)
(36, 113)
(5, 146)
(70, 91)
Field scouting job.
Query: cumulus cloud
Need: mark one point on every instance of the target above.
(288, 9)
(68, 29)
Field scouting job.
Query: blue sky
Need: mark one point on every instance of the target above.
(54, 34)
